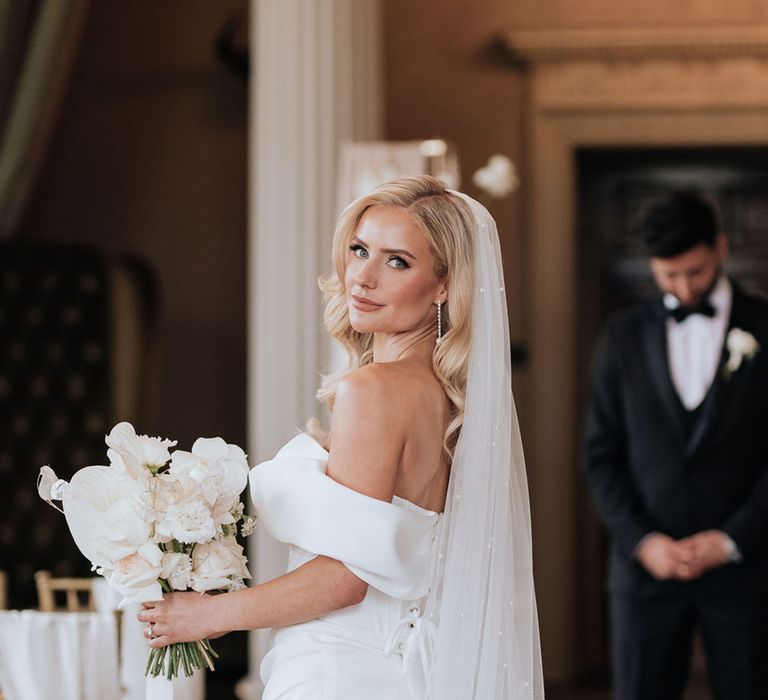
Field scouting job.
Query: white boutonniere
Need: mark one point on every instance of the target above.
(740, 345)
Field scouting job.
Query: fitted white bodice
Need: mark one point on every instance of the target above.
(391, 546)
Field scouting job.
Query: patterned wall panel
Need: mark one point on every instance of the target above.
(54, 399)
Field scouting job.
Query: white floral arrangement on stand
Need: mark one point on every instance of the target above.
(156, 521)
(741, 345)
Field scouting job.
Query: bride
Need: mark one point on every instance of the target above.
(410, 571)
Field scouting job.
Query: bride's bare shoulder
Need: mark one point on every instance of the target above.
(391, 385)
(381, 397)
(372, 378)
(366, 420)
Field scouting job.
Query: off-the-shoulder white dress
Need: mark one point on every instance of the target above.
(376, 650)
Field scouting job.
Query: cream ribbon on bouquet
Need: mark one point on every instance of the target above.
(155, 521)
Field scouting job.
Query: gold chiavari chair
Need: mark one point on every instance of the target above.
(78, 593)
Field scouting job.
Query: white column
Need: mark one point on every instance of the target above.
(315, 80)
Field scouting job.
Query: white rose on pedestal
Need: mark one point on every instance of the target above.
(497, 178)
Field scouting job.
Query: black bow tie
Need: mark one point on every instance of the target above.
(680, 313)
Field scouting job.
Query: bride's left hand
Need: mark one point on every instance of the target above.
(178, 617)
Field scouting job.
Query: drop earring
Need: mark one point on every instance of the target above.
(439, 322)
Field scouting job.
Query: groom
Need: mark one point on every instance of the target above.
(677, 461)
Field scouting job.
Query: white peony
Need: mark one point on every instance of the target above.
(136, 576)
(168, 491)
(187, 522)
(136, 454)
(740, 344)
(216, 563)
(177, 570)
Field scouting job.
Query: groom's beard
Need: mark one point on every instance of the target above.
(705, 294)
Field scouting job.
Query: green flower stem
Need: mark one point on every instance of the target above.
(187, 656)
(169, 673)
(162, 662)
(202, 648)
(209, 648)
(150, 659)
(187, 660)
(157, 669)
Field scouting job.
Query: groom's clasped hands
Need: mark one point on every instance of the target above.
(685, 559)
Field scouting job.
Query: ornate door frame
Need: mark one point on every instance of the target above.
(617, 88)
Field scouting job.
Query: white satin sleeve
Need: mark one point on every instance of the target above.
(386, 545)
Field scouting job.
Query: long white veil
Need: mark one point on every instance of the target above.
(482, 600)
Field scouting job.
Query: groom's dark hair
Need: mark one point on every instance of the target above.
(677, 223)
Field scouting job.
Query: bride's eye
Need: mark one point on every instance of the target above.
(398, 263)
(358, 250)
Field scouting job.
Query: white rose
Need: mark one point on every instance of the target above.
(177, 570)
(740, 344)
(136, 575)
(187, 522)
(135, 454)
(216, 563)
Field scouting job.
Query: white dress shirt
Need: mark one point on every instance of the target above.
(695, 345)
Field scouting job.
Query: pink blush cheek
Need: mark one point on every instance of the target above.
(415, 294)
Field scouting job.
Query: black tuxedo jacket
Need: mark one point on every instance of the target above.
(649, 472)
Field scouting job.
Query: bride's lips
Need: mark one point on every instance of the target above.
(363, 304)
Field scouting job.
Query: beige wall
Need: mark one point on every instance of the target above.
(150, 158)
(446, 76)
(443, 78)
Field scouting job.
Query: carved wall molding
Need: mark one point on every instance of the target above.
(637, 43)
(651, 85)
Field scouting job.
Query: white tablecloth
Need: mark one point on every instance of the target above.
(67, 656)
(73, 656)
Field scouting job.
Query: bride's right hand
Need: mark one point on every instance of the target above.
(179, 617)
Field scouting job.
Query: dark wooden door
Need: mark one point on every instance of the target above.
(615, 187)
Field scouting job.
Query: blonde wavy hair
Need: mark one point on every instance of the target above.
(449, 226)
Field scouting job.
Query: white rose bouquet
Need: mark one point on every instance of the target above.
(157, 521)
